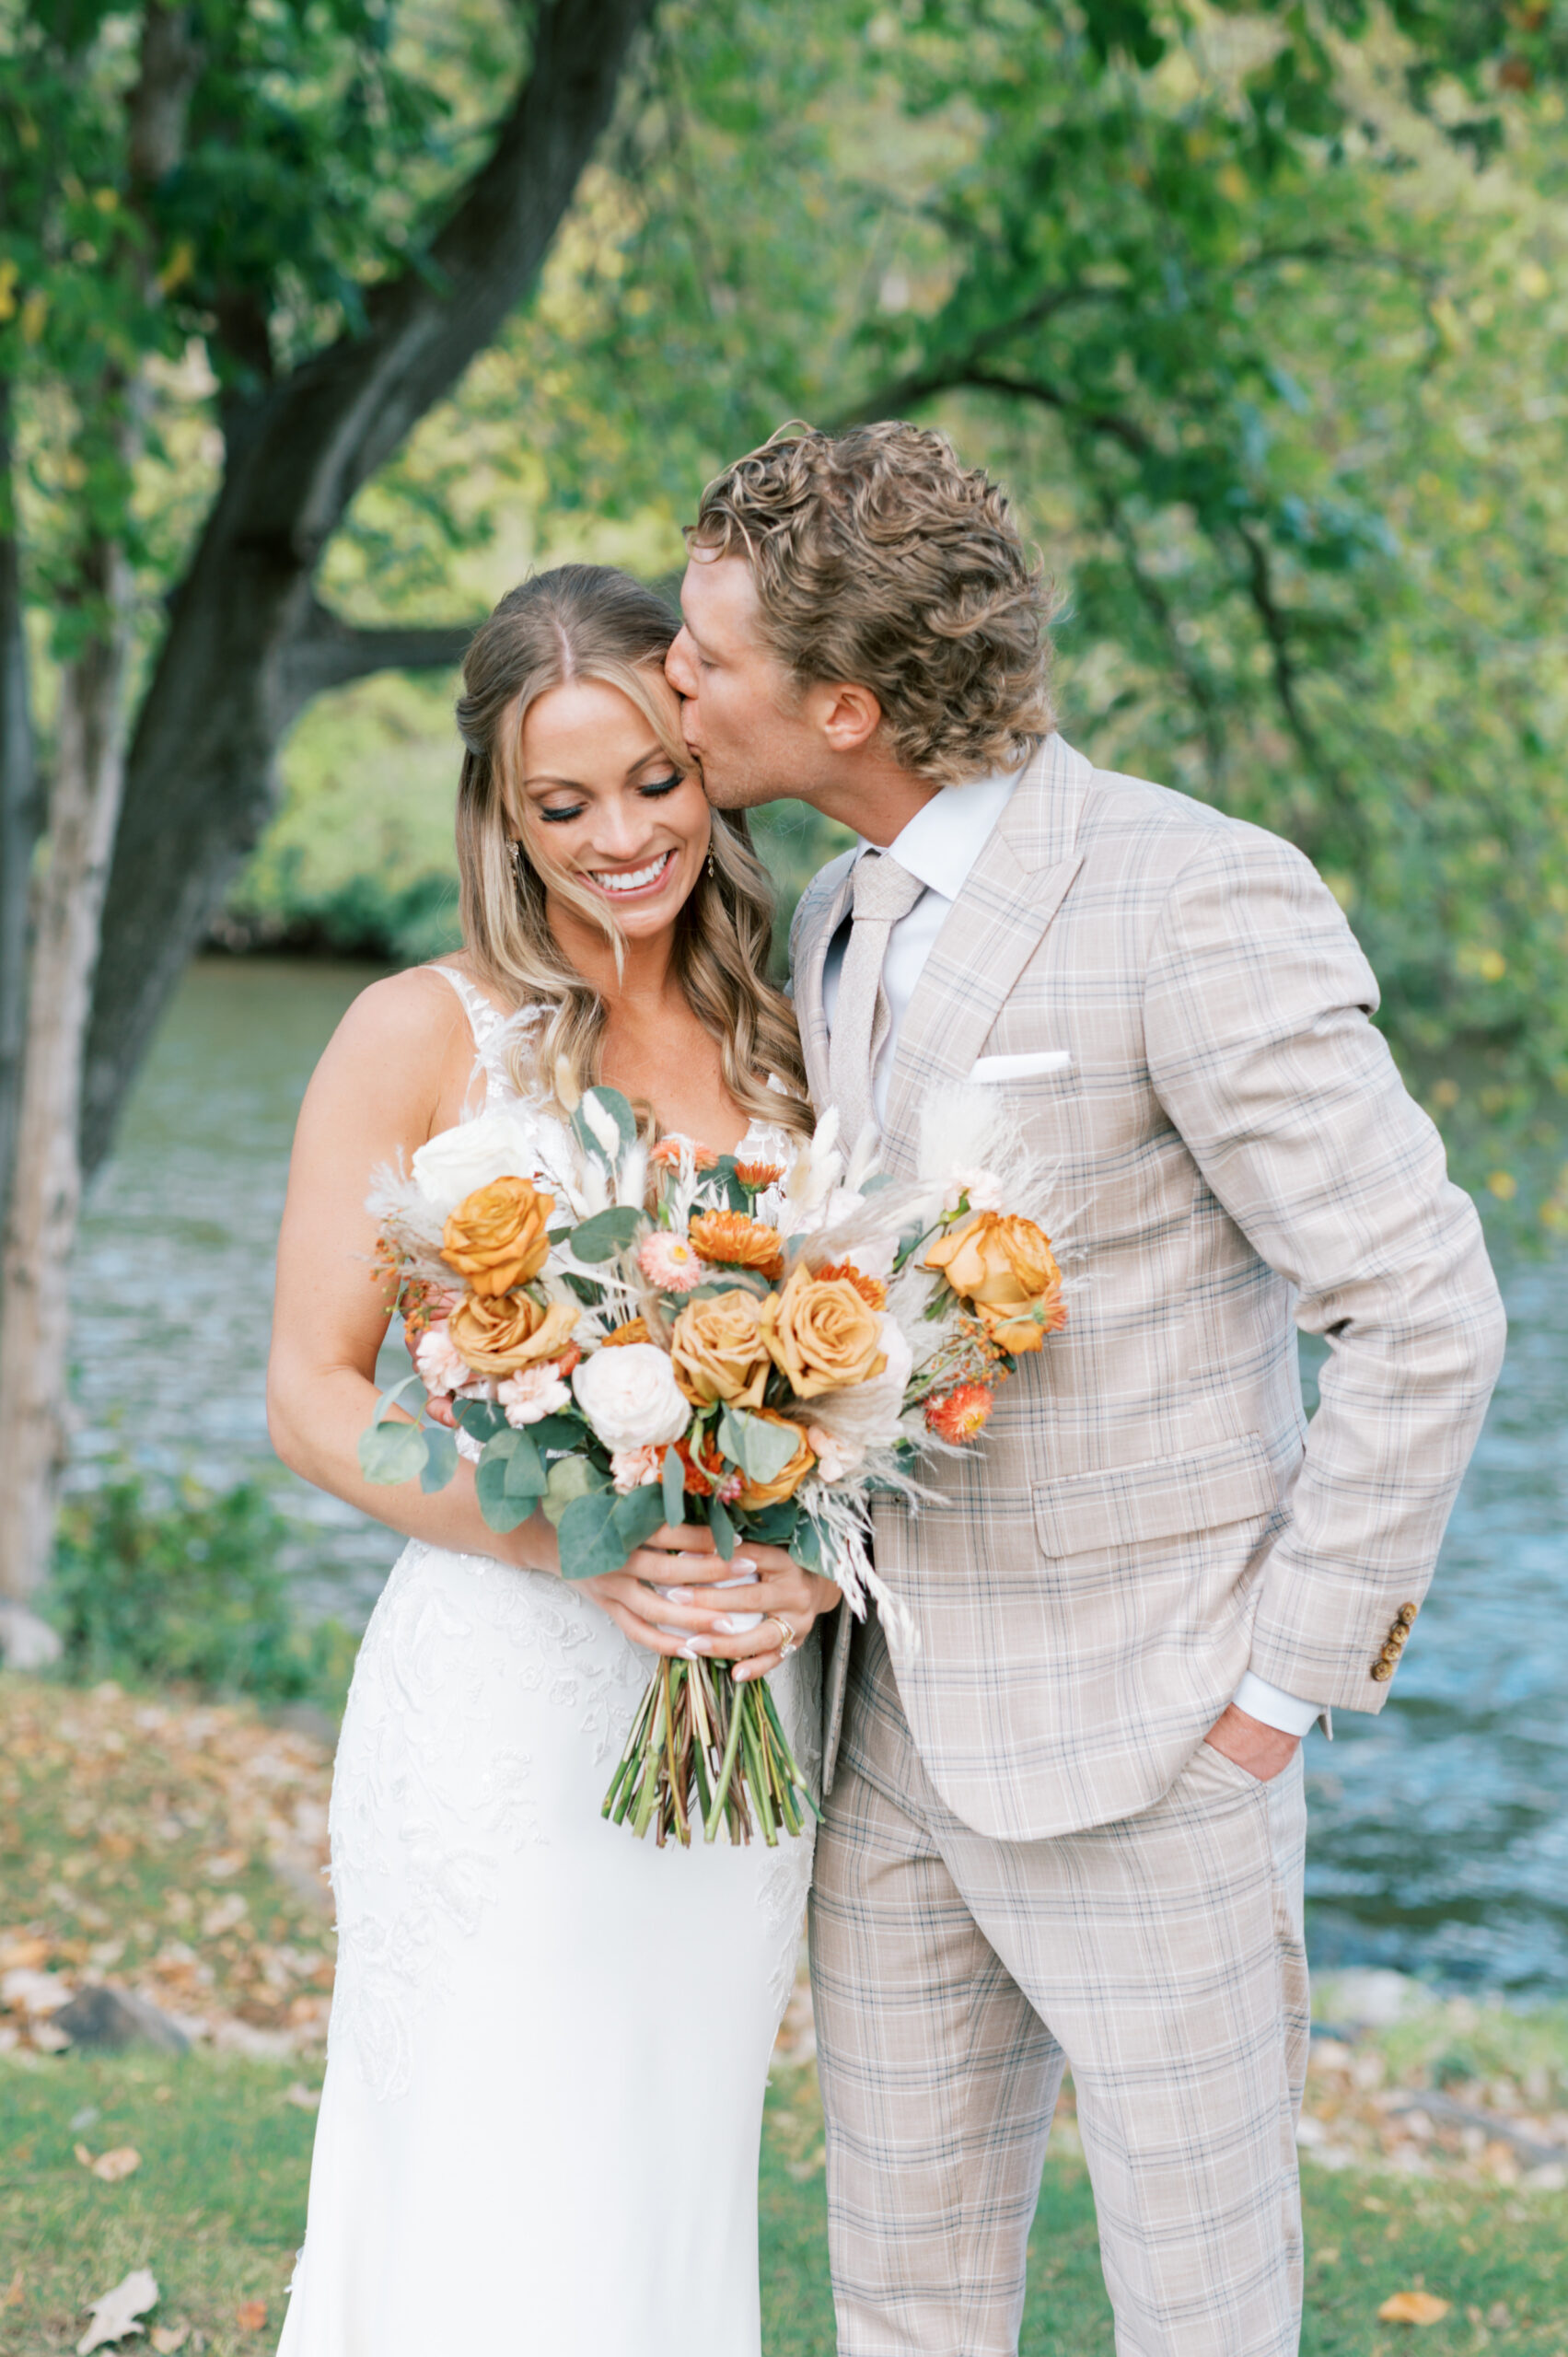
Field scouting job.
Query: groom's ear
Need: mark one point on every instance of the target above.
(847, 715)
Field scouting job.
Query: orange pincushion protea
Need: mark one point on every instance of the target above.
(738, 1241)
(960, 1415)
(872, 1290)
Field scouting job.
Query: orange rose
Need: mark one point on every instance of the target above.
(635, 1330)
(737, 1238)
(497, 1336)
(822, 1334)
(496, 1236)
(718, 1352)
(1006, 1267)
(755, 1494)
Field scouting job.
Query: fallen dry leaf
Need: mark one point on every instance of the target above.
(114, 2313)
(305, 2098)
(30, 1952)
(250, 2316)
(1413, 2307)
(111, 2166)
(167, 2337)
(14, 2292)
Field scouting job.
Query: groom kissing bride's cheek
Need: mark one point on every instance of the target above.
(1064, 1812)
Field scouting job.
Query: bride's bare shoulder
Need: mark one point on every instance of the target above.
(407, 1033)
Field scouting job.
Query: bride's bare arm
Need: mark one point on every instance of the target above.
(396, 1071)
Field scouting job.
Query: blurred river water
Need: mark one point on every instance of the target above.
(1439, 1831)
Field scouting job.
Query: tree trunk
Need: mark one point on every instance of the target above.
(18, 814)
(41, 1227)
(238, 660)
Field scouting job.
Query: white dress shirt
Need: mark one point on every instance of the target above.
(939, 846)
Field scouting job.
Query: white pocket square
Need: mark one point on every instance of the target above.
(1003, 1068)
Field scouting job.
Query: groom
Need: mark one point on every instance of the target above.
(1064, 1826)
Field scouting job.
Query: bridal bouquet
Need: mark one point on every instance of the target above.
(623, 1337)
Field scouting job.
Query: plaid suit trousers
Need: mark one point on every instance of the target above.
(955, 1974)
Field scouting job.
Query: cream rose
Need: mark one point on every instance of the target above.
(631, 1398)
(455, 1162)
(822, 1334)
(718, 1352)
(497, 1337)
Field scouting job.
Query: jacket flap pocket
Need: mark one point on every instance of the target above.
(1161, 1498)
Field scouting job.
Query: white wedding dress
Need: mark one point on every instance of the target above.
(550, 2041)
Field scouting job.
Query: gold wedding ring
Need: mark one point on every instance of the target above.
(790, 1640)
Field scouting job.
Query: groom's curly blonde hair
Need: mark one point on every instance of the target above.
(878, 559)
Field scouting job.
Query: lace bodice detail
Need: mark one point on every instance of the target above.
(763, 1141)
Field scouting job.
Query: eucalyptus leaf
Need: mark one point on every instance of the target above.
(390, 1454)
(480, 1418)
(571, 1478)
(639, 1513)
(389, 1400)
(721, 1527)
(441, 1458)
(762, 1450)
(673, 1489)
(500, 1508)
(525, 1473)
(614, 1115)
(557, 1431)
(608, 1233)
(805, 1547)
(591, 1538)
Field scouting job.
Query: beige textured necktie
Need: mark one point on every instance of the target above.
(883, 893)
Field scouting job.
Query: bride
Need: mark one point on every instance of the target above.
(549, 2041)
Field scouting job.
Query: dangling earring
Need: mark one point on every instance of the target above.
(517, 851)
(712, 871)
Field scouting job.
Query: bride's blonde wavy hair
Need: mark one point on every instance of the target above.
(592, 622)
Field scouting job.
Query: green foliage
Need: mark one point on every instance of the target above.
(189, 1590)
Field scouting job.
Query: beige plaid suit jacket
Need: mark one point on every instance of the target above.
(1148, 1515)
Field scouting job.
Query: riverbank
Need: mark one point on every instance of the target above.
(173, 1850)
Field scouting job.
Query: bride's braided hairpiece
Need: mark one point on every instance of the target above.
(592, 622)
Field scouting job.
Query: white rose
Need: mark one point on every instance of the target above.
(631, 1398)
(453, 1163)
(983, 1186)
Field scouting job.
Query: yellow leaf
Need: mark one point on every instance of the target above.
(1413, 2307)
(178, 268)
(1503, 1185)
(8, 289)
(35, 310)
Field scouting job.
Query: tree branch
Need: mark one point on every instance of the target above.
(332, 652)
(1276, 625)
(20, 810)
(963, 376)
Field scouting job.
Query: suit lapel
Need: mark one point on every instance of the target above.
(995, 924)
(829, 903)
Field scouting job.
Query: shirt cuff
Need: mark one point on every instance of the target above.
(1274, 1706)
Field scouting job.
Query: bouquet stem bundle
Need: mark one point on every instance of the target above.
(704, 1747)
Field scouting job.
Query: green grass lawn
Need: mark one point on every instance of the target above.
(215, 2209)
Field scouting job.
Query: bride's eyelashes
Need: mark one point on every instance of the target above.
(565, 811)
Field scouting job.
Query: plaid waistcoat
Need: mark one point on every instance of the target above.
(1147, 1515)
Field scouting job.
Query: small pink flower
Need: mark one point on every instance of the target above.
(670, 1263)
(437, 1364)
(533, 1392)
(834, 1458)
(636, 1468)
(730, 1489)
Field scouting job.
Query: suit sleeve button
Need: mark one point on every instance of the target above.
(1382, 1671)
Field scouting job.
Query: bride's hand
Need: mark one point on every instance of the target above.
(686, 1564)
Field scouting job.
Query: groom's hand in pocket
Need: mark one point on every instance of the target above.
(1263, 1751)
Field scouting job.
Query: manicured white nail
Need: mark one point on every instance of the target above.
(677, 1596)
